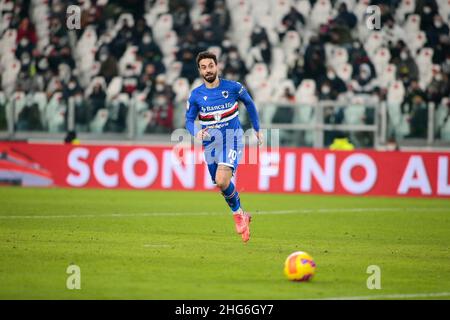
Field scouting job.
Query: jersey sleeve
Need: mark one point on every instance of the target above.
(191, 114)
(244, 96)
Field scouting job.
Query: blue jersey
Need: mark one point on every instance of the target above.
(218, 107)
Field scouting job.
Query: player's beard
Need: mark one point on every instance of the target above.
(210, 77)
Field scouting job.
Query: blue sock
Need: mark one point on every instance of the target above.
(232, 197)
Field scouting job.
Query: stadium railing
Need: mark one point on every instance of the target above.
(367, 124)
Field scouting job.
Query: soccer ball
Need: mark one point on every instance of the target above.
(299, 266)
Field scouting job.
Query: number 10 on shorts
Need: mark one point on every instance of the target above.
(232, 155)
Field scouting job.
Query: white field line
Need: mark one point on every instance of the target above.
(393, 296)
(156, 245)
(256, 213)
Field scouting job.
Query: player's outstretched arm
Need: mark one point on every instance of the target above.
(244, 96)
(191, 114)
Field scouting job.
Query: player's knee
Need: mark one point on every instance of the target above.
(222, 182)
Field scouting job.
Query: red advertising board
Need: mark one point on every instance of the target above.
(287, 170)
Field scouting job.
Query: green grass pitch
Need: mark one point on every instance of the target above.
(182, 245)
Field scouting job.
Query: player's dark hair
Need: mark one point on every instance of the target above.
(205, 55)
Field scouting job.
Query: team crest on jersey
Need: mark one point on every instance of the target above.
(225, 94)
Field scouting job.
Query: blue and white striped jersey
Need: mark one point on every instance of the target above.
(219, 107)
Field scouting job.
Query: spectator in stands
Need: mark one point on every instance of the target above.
(438, 87)
(297, 72)
(220, 15)
(364, 82)
(24, 46)
(24, 82)
(189, 69)
(64, 73)
(392, 32)
(325, 91)
(29, 118)
(123, 38)
(288, 96)
(26, 30)
(412, 93)
(407, 70)
(130, 80)
(436, 31)
(189, 42)
(180, 15)
(162, 88)
(150, 51)
(315, 59)
(82, 111)
(234, 64)
(212, 33)
(162, 110)
(334, 85)
(293, 20)
(344, 17)
(364, 60)
(147, 78)
(96, 101)
(195, 38)
(56, 57)
(39, 70)
(285, 112)
(357, 55)
(266, 51)
(58, 34)
(108, 68)
(396, 50)
(25, 62)
(65, 56)
(117, 117)
(446, 64)
(427, 9)
(258, 36)
(438, 39)
(338, 31)
(140, 30)
(332, 115)
(418, 117)
(71, 88)
(54, 85)
(162, 107)
(92, 15)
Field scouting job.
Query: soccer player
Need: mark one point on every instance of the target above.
(216, 104)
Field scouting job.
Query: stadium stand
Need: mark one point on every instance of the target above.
(143, 52)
